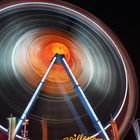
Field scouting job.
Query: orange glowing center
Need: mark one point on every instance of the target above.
(57, 48)
(37, 58)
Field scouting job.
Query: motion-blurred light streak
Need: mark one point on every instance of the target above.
(96, 57)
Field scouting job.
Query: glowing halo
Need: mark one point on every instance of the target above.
(97, 59)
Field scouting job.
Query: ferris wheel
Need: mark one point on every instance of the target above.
(60, 62)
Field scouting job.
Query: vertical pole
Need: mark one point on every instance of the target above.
(25, 131)
(12, 124)
(83, 98)
(115, 130)
(135, 125)
(34, 98)
(44, 129)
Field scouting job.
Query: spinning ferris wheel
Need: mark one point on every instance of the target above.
(61, 62)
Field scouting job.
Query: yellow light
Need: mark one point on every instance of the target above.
(59, 48)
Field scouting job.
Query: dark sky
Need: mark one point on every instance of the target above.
(123, 19)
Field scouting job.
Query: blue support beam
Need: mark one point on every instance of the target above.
(33, 99)
(96, 122)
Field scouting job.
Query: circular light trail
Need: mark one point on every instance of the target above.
(31, 34)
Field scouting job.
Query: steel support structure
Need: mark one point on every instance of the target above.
(96, 122)
(33, 99)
